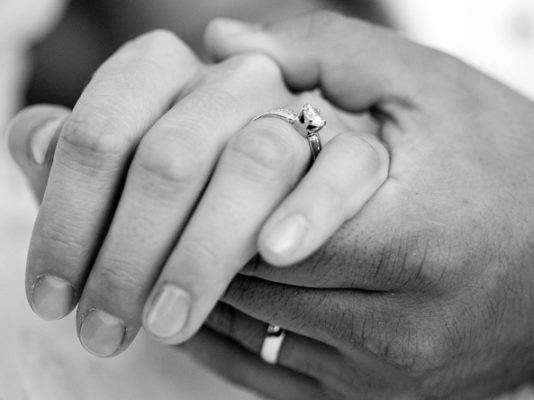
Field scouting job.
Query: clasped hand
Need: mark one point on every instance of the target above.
(408, 240)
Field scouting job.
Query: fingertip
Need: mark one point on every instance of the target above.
(232, 27)
(51, 297)
(225, 37)
(280, 243)
(31, 131)
(31, 138)
(102, 334)
(167, 313)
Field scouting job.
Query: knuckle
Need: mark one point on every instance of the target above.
(431, 349)
(261, 152)
(90, 140)
(63, 243)
(431, 354)
(169, 167)
(416, 346)
(159, 50)
(161, 37)
(385, 337)
(157, 42)
(119, 277)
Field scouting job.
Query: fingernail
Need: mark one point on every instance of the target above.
(52, 297)
(287, 235)
(168, 312)
(41, 139)
(236, 27)
(101, 333)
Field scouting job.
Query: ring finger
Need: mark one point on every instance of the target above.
(349, 375)
(258, 168)
(231, 360)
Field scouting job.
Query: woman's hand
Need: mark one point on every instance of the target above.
(159, 185)
(429, 291)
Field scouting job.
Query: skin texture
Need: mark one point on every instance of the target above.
(426, 292)
(160, 184)
(439, 282)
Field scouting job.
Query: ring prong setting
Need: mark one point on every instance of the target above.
(311, 118)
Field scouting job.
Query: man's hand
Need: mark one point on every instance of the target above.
(433, 280)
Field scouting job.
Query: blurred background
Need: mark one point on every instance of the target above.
(48, 51)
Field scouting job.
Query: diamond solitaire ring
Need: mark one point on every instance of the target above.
(308, 122)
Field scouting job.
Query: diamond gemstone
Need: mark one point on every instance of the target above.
(311, 118)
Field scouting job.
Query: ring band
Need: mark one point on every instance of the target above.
(272, 343)
(308, 122)
(315, 145)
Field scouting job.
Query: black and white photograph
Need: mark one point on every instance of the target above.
(267, 200)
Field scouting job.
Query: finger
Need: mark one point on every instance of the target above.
(259, 166)
(298, 353)
(32, 137)
(366, 253)
(126, 95)
(346, 174)
(167, 175)
(353, 374)
(228, 359)
(372, 326)
(356, 64)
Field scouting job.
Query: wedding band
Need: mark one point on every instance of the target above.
(308, 122)
(272, 343)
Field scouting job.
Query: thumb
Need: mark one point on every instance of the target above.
(32, 137)
(357, 65)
